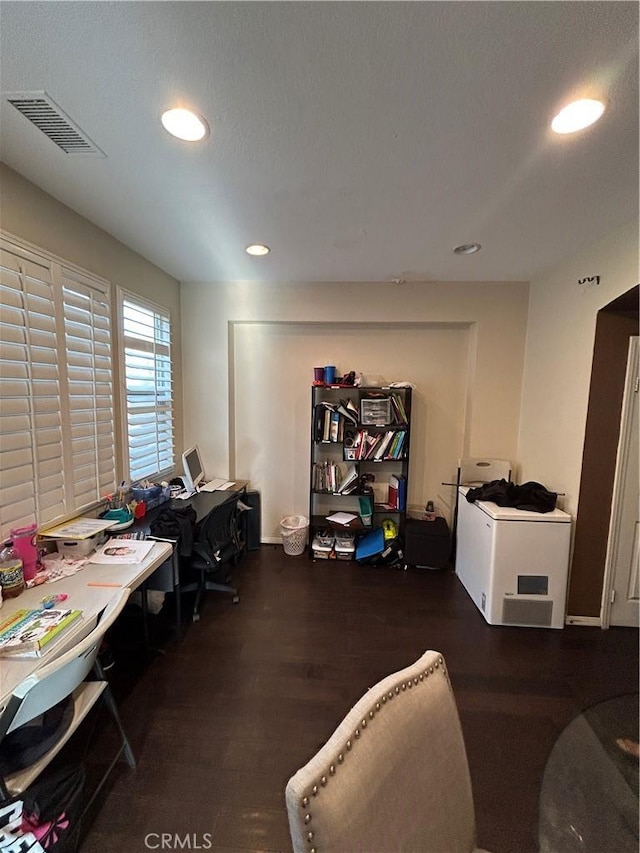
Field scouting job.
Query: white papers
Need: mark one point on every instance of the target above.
(219, 485)
(122, 551)
(341, 517)
(79, 528)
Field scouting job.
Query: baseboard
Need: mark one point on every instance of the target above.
(594, 621)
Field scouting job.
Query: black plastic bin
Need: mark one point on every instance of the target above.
(427, 543)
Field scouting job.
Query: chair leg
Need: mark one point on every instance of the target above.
(224, 587)
(113, 710)
(195, 613)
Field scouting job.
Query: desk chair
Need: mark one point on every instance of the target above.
(393, 776)
(217, 546)
(52, 683)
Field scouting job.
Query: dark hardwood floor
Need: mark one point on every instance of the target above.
(220, 722)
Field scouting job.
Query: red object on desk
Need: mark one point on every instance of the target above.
(140, 510)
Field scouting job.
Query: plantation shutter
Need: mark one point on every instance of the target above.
(87, 331)
(56, 394)
(149, 387)
(32, 482)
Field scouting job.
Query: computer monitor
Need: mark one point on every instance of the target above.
(193, 468)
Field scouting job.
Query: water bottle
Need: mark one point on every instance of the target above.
(24, 541)
(11, 574)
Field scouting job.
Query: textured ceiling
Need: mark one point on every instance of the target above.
(361, 141)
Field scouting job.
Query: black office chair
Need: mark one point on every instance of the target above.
(217, 547)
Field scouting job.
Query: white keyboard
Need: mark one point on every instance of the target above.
(214, 485)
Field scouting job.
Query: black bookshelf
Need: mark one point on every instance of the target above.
(360, 445)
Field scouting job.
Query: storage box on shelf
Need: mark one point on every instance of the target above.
(152, 496)
(359, 449)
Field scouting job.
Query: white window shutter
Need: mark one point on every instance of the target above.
(87, 343)
(146, 332)
(32, 483)
(56, 389)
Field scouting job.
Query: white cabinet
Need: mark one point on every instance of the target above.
(514, 563)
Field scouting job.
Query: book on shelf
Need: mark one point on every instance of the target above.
(383, 445)
(348, 410)
(395, 448)
(399, 411)
(397, 499)
(318, 422)
(402, 494)
(344, 518)
(348, 478)
(334, 428)
(326, 429)
(31, 633)
(119, 551)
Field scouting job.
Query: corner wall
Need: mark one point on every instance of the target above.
(558, 364)
(494, 313)
(28, 212)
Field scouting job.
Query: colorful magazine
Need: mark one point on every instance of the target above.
(30, 633)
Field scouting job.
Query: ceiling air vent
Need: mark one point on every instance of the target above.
(47, 116)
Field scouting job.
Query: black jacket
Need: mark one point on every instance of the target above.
(531, 496)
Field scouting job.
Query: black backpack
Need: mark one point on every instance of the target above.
(176, 524)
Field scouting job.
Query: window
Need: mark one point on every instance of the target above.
(56, 387)
(146, 336)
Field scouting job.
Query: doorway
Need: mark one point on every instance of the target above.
(616, 324)
(621, 593)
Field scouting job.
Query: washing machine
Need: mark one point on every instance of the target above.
(514, 563)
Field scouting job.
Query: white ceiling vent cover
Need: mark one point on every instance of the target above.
(47, 116)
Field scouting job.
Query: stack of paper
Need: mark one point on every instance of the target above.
(122, 551)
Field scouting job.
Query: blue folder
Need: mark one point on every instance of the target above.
(370, 544)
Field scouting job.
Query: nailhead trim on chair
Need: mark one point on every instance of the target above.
(304, 802)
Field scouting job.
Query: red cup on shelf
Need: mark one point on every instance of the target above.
(318, 375)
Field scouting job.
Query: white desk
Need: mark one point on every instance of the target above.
(89, 590)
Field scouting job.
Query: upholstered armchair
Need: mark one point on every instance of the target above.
(393, 776)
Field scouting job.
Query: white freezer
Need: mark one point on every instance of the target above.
(513, 563)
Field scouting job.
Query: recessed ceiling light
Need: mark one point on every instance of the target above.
(467, 249)
(577, 115)
(257, 249)
(185, 125)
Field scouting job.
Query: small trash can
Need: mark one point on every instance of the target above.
(294, 534)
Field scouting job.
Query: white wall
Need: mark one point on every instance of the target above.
(28, 212)
(492, 315)
(272, 379)
(558, 355)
